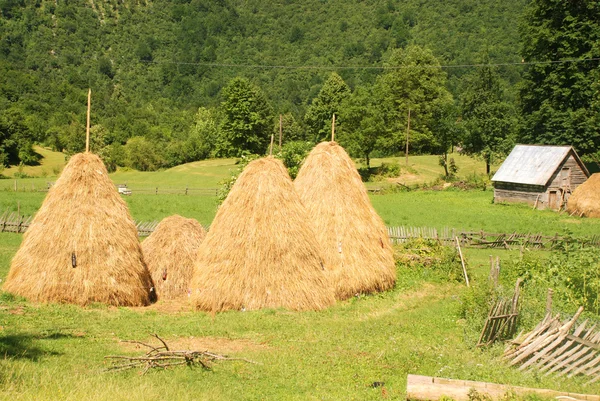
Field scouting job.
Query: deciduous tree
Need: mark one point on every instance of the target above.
(247, 119)
(328, 102)
(559, 93)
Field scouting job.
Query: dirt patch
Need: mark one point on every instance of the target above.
(170, 306)
(213, 344)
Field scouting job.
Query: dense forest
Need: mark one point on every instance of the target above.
(181, 80)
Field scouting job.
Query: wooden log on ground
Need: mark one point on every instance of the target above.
(426, 388)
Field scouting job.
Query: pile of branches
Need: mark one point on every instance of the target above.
(161, 356)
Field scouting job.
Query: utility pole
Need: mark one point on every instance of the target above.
(407, 134)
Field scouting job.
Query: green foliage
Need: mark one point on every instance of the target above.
(16, 140)
(429, 259)
(363, 130)
(488, 120)
(413, 83)
(293, 154)
(291, 129)
(141, 154)
(150, 65)
(573, 273)
(389, 170)
(560, 101)
(247, 119)
(328, 102)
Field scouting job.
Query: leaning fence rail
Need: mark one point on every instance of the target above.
(15, 223)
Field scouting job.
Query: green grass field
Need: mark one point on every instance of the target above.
(56, 352)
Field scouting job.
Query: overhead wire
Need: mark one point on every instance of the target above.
(345, 67)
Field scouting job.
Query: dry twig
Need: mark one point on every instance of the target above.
(162, 357)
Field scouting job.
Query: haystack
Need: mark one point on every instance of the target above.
(260, 252)
(170, 252)
(82, 246)
(353, 237)
(585, 200)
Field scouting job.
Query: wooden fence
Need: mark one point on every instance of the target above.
(13, 222)
(482, 239)
(134, 190)
(553, 349)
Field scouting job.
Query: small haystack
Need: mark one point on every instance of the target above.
(585, 200)
(170, 252)
(353, 237)
(82, 246)
(260, 252)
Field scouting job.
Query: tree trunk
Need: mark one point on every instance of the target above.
(446, 164)
(368, 160)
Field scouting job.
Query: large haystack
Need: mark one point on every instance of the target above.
(260, 252)
(585, 200)
(82, 246)
(353, 237)
(170, 252)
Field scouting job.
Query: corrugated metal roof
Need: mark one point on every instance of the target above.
(531, 164)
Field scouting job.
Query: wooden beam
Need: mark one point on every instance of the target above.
(426, 388)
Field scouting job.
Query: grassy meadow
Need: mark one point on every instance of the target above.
(56, 352)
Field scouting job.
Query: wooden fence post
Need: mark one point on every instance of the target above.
(462, 261)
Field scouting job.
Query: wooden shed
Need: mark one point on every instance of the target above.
(543, 176)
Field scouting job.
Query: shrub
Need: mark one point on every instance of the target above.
(389, 170)
(572, 272)
(429, 258)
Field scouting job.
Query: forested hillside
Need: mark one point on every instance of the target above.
(152, 64)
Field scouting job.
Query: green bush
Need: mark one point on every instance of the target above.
(572, 272)
(430, 259)
(389, 170)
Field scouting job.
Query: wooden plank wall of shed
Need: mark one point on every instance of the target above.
(576, 177)
(537, 195)
(520, 193)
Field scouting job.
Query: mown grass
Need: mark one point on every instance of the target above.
(426, 168)
(50, 164)
(464, 210)
(57, 351)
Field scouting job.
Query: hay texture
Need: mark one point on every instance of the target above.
(82, 246)
(260, 252)
(585, 200)
(170, 252)
(353, 237)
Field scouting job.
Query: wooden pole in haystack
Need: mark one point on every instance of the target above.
(407, 133)
(87, 126)
(271, 147)
(333, 128)
(280, 130)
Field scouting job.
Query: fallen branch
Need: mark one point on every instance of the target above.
(162, 357)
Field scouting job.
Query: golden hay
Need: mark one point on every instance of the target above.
(353, 237)
(260, 251)
(82, 246)
(585, 200)
(170, 252)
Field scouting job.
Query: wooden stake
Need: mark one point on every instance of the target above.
(407, 134)
(333, 128)
(271, 147)
(549, 301)
(462, 261)
(87, 127)
(280, 130)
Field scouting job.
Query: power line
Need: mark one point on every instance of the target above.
(317, 67)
